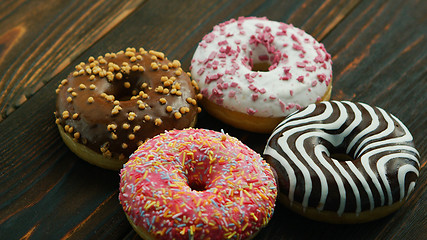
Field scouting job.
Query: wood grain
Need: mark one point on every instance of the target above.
(45, 37)
(46, 192)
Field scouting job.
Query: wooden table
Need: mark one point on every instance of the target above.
(379, 51)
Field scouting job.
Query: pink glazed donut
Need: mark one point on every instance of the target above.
(197, 184)
(253, 72)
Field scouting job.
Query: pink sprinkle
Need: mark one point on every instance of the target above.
(272, 97)
(203, 44)
(217, 92)
(230, 71)
(253, 88)
(282, 105)
(234, 84)
(286, 69)
(263, 57)
(211, 78)
(219, 101)
(229, 35)
(300, 64)
(272, 67)
(249, 78)
(291, 92)
(262, 90)
(255, 96)
(204, 92)
(297, 106)
(301, 55)
(314, 83)
(300, 78)
(318, 99)
(295, 39)
(237, 41)
(259, 25)
(324, 65)
(254, 74)
(212, 55)
(232, 93)
(321, 77)
(223, 43)
(297, 47)
(201, 71)
(209, 37)
(251, 111)
(287, 76)
(310, 68)
(222, 55)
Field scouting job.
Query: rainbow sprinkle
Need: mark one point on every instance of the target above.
(197, 183)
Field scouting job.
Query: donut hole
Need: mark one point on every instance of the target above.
(126, 88)
(263, 60)
(261, 67)
(126, 94)
(341, 156)
(197, 186)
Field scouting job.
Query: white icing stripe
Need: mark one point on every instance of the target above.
(324, 116)
(364, 183)
(403, 170)
(312, 165)
(372, 126)
(289, 170)
(390, 128)
(352, 184)
(366, 165)
(382, 171)
(407, 137)
(318, 150)
(285, 147)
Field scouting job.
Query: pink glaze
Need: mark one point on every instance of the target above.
(299, 72)
(197, 183)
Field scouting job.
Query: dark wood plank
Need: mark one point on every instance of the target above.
(379, 58)
(40, 38)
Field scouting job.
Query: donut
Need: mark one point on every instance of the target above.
(110, 105)
(343, 162)
(197, 184)
(253, 72)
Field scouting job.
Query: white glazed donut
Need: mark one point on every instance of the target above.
(253, 72)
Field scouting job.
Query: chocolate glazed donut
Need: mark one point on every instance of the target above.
(376, 176)
(109, 106)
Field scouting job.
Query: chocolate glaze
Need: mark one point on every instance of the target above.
(383, 171)
(114, 133)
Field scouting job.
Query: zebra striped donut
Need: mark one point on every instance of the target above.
(379, 174)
